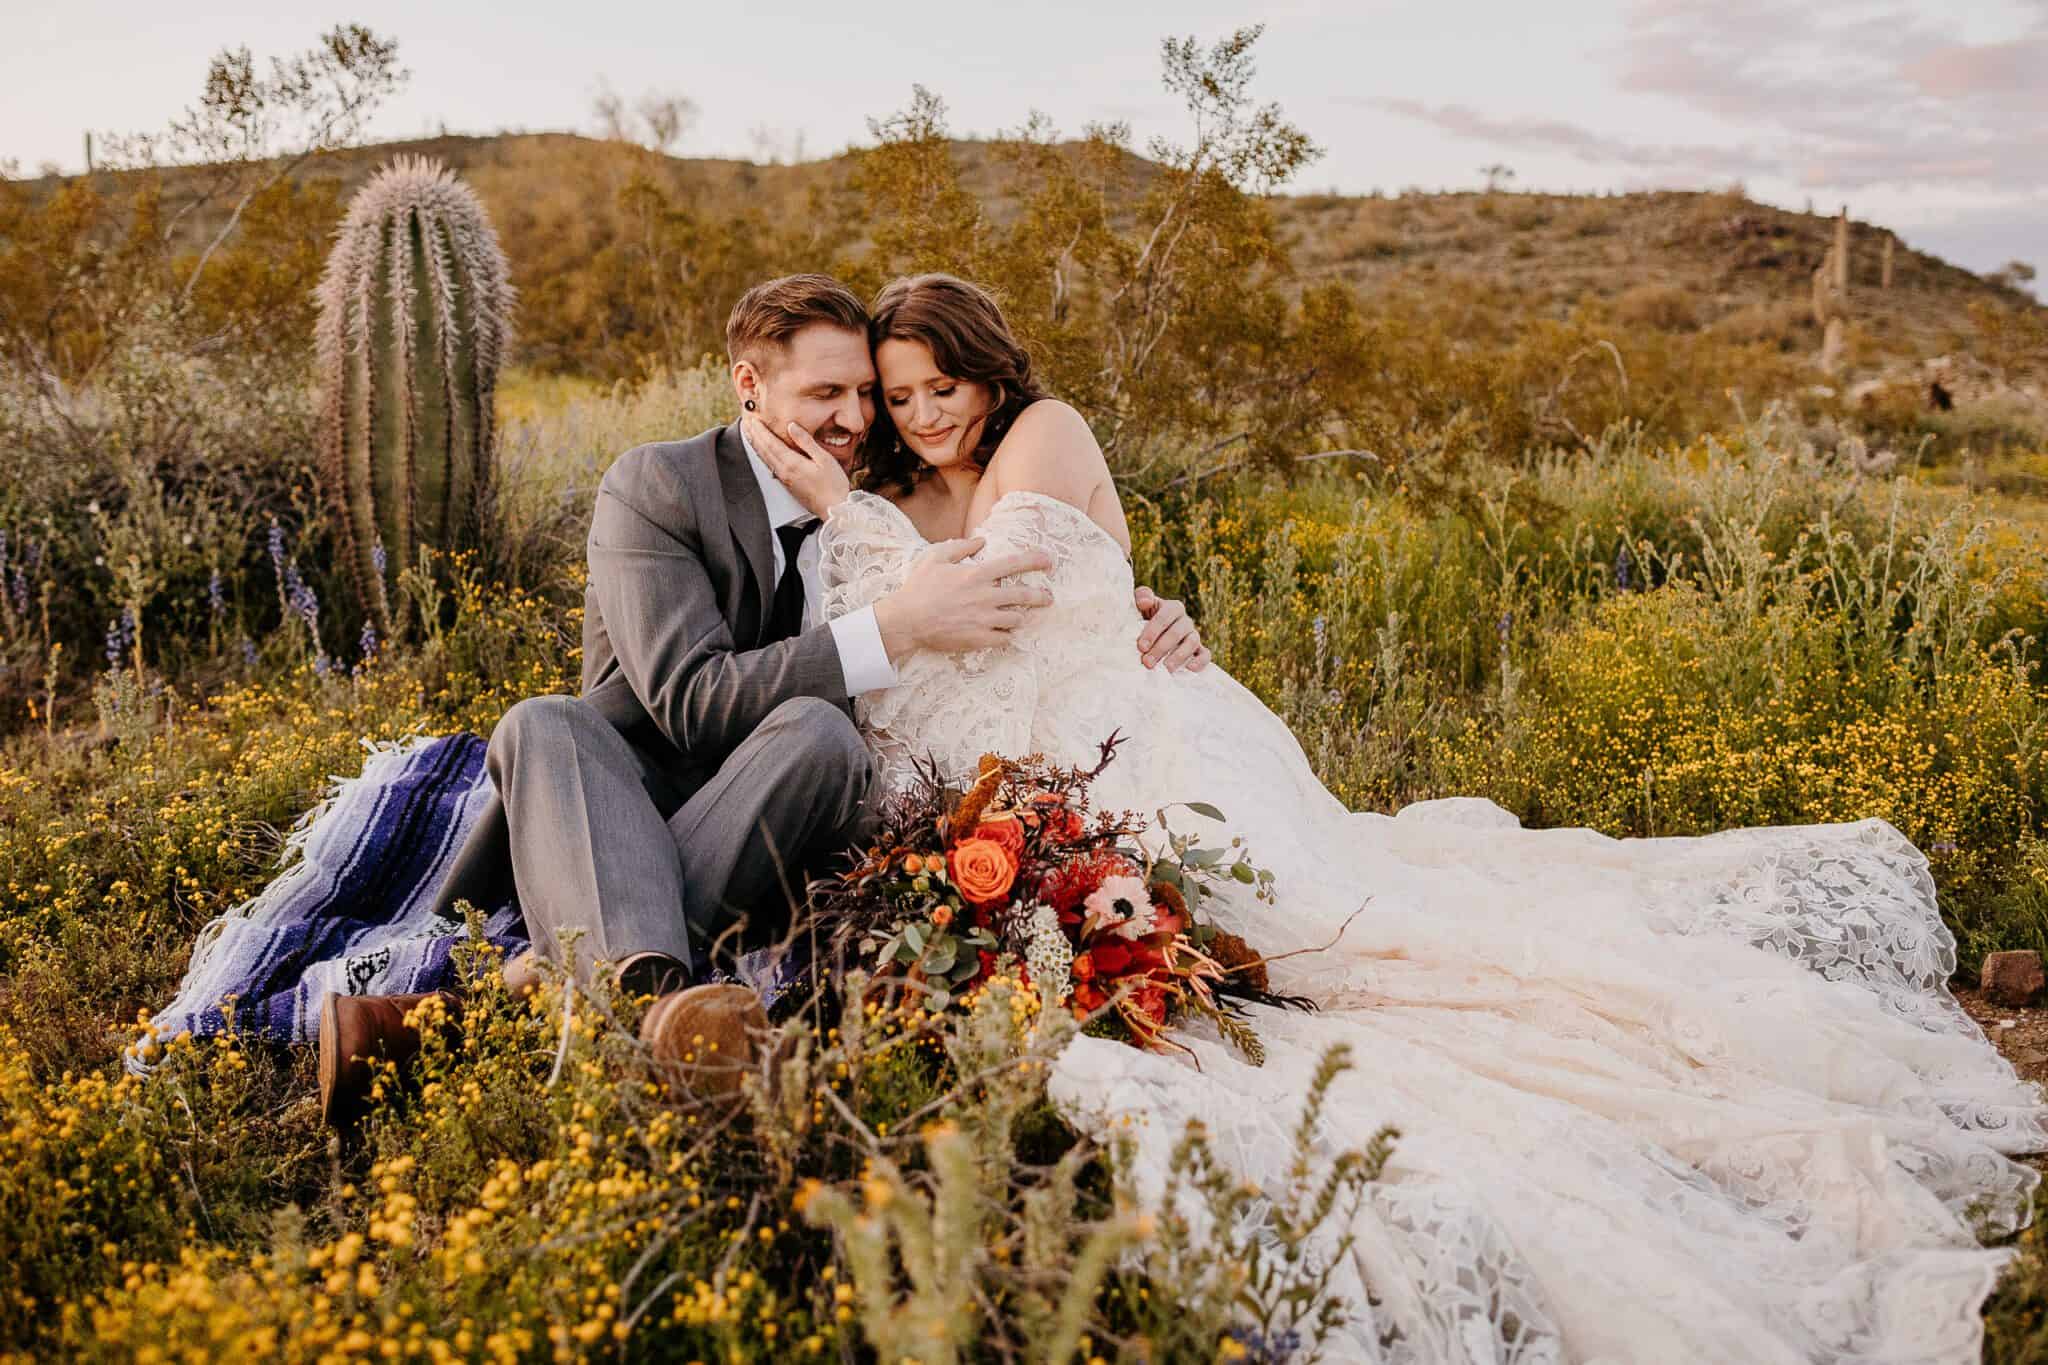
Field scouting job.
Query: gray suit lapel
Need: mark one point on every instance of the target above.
(746, 512)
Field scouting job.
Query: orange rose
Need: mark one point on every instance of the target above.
(1005, 830)
(983, 870)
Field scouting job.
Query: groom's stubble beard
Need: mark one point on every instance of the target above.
(832, 431)
(850, 457)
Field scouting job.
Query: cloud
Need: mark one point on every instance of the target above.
(1553, 135)
(1830, 95)
(2015, 72)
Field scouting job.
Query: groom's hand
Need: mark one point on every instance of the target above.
(949, 605)
(1169, 636)
(801, 465)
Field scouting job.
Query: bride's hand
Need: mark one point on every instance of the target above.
(800, 464)
(1170, 636)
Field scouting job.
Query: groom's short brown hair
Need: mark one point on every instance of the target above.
(773, 311)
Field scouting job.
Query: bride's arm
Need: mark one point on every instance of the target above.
(1051, 450)
(865, 549)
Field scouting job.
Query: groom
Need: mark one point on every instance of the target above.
(711, 763)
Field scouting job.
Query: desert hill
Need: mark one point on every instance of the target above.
(1671, 261)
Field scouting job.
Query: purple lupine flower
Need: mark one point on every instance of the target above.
(33, 553)
(1621, 567)
(3, 550)
(1504, 625)
(276, 546)
(321, 663)
(1264, 1350)
(19, 589)
(120, 637)
(377, 556)
(248, 651)
(299, 594)
(216, 599)
(367, 645)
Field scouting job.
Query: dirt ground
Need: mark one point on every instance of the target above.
(2021, 1034)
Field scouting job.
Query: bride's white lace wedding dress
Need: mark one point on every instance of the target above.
(1672, 1100)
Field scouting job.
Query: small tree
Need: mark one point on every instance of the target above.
(2012, 275)
(250, 132)
(80, 267)
(657, 120)
(1149, 289)
(666, 117)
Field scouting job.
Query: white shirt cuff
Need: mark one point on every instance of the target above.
(862, 657)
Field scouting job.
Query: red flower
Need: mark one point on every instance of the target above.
(1151, 1002)
(1005, 830)
(1062, 824)
(1111, 957)
(1145, 957)
(1066, 886)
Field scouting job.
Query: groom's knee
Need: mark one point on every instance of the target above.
(538, 728)
(830, 747)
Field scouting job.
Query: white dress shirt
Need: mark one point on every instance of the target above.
(862, 657)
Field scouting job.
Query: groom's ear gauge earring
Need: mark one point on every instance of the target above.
(748, 405)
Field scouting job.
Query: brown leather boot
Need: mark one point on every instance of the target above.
(707, 1036)
(356, 1031)
(522, 973)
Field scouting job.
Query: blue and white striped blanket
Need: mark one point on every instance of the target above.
(354, 915)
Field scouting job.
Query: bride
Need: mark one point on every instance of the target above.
(1671, 1099)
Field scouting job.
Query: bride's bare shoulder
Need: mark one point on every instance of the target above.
(1049, 449)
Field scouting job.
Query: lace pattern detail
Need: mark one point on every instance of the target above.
(1671, 1099)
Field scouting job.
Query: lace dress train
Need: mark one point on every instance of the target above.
(1675, 1099)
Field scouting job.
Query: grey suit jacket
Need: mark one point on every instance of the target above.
(675, 620)
(675, 626)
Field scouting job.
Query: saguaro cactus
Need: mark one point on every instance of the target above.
(1831, 295)
(415, 318)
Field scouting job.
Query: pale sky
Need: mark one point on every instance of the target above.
(1929, 116)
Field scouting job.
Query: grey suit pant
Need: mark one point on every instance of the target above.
(607, 850)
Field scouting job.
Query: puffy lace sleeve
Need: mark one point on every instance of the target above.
(864, 549)
(947, 708)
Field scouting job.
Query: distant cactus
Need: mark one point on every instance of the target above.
(1831, 295)
(415, 319)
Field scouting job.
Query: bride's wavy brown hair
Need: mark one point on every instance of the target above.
(969, 340)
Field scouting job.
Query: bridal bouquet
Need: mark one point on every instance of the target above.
(1016, 874)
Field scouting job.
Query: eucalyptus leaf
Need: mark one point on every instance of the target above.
(915, 937)
(942, 956)
(941, 999)
(1204, 808)
(1243, 872)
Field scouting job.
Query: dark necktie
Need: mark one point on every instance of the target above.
(786, 617)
